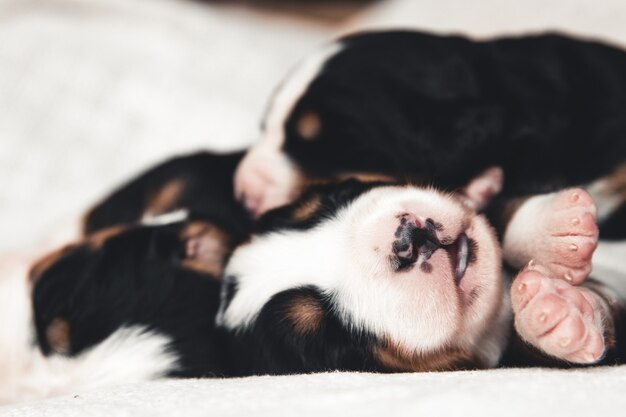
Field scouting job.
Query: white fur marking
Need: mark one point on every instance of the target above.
(416, 310)
(165, 218)
(290, 92)
(128, 355)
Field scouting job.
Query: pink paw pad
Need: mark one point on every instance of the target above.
(556, 317)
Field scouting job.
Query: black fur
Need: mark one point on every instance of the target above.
(138, 277)
(441, 109)
(207, 188)
(135, 278)
(274, 346)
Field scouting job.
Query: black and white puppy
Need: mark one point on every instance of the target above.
(136, 297)
(440, 110)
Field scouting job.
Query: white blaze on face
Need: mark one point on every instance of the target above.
(348, 257)
(266, 178)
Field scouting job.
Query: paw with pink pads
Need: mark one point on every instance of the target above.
(557, 230)
(562, 320)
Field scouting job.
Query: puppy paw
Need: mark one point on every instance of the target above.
(558, 230)
(265, 179)
(558, 318)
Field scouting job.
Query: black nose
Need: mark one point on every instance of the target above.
(413, 241)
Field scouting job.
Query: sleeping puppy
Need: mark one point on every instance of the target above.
(135, 298)
(441, 110)
(388, 277)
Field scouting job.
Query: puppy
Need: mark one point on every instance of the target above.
(136, 297)
(441, 110)
(384, 277)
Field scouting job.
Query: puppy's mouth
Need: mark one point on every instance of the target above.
(460, 252)
(416, 245)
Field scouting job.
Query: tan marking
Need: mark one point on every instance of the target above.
(395, 359)
(609, 192)
(58, 336)
(309, 125)
(165, 199)
(96, 240)
(206, 248)
(616, 183)
(307, 208)
(42, 265)
(369, 177)
(305, 313)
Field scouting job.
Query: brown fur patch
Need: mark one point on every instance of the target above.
(309, 125)
(395, 359)
(307, 208)
(42, 265)
(206, 248)
(368, 177)
(164, 200)
(96, 240)
(58, 335)
(615, 184)
(93, 241)
(305, 313)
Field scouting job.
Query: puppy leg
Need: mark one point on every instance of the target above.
(557, 230)
(566, 322)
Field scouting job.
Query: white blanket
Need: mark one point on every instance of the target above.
(94, 91)
(503, 392)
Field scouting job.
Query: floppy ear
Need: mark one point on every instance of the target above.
(206, 247)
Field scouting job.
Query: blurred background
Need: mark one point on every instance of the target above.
(94, 91)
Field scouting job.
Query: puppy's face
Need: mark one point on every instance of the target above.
(404, 278)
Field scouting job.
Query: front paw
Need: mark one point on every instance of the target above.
(558, 230)
(562, 320)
